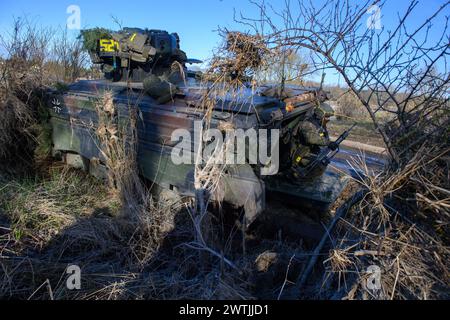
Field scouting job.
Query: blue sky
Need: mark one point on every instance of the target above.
(195, 20)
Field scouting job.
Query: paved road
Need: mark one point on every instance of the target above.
(352, 160)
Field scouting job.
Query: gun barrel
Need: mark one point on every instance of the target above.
(344, 135)
(327, 154)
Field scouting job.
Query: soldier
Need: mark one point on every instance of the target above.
(311, 136)
(163, 88)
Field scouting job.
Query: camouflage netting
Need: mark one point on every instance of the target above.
(240, 56)
(90, 38)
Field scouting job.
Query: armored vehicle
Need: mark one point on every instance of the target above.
(143, 69)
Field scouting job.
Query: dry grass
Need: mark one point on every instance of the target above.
(127, 245)
(20, 96)
(75, 222)
(401, 226)
(239, 58)
(28, 68)
(118, 148)
(130, 247)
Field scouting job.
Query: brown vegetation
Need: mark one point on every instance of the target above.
(402, 222)
(131, 247)
(34, 60)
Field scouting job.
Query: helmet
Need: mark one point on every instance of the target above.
(324, 110)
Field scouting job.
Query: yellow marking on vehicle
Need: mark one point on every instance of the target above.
(132, 37)
(108, 45)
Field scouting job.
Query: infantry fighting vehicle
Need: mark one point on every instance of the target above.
(146, 69)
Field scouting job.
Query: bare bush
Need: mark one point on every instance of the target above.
(35, 58)
(286, 66)
(401, 227)
(395, 69)
(69, 58)
(403, 72)
(21, 80)
(348, 106)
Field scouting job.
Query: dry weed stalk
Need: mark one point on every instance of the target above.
(117, 136)
(395, 229)
(404, 215)
(116, 133)
(240, 56)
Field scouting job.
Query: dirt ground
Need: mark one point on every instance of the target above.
(364, 132)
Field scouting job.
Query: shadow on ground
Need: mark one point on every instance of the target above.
(124, 259)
